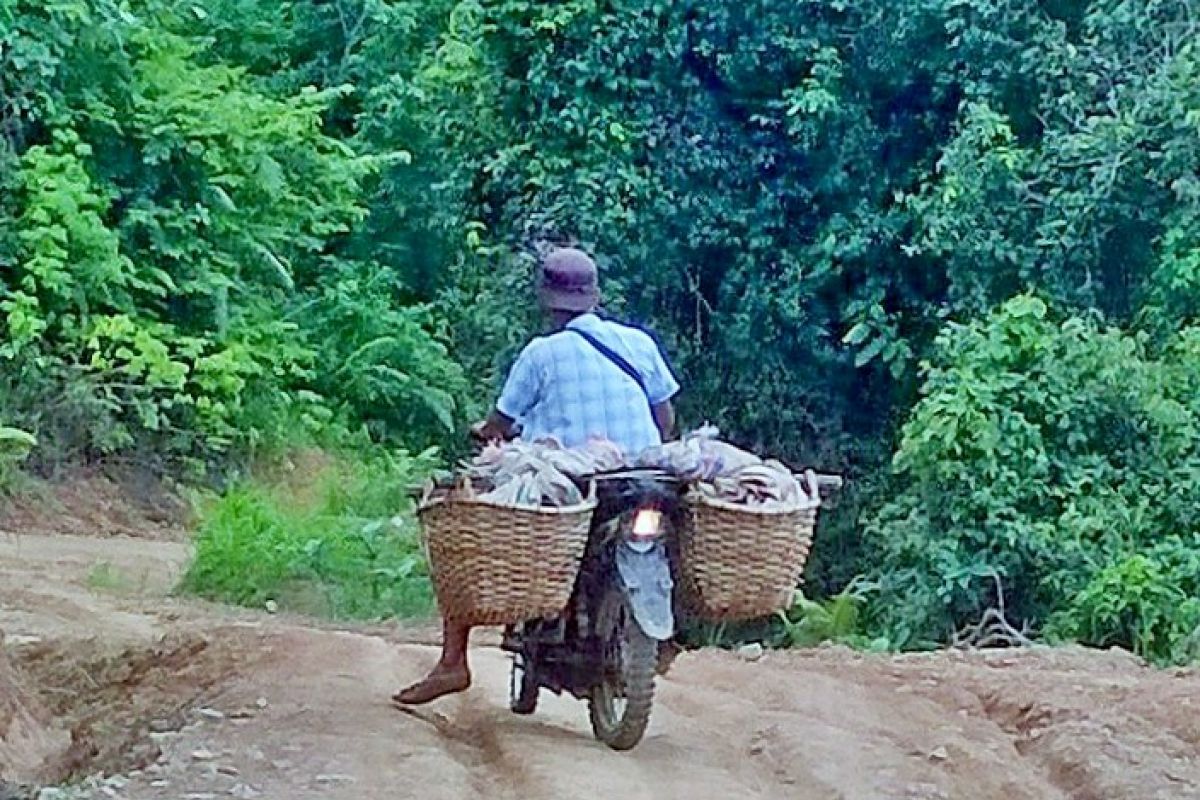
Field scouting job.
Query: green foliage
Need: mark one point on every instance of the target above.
(806, 624)
(343, 543)
(381, 365)
(104, 577)
(173, 250)
(1147, 602)
(809, 623)
(231, 224)
(1057, 455)
(15, 445)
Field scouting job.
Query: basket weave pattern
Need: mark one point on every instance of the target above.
(498, 565)
(741, 564)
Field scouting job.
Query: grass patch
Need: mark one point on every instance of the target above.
(104, 577)
(336, 538)
(807, 623)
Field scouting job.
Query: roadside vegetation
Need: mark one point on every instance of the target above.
(948, 248)
(333, 537)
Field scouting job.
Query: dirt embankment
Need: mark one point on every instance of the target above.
(179, 699)
(32, 746)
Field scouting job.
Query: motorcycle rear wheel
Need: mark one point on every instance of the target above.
(619, 707)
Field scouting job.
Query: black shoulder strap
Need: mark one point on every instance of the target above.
(617, 359)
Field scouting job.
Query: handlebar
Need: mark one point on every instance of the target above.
(829, 483)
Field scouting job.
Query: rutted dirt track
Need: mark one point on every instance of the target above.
(193, 701)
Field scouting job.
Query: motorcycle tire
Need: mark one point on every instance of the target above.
(623, 729)
(523, 689)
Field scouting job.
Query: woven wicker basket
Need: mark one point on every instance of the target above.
(498, 565)
(738, 563)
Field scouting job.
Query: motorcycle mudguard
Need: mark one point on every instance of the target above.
(646, 576)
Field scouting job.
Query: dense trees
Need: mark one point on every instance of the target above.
(963, 229)
(175, 275)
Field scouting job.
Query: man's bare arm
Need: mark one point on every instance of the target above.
(664, 418)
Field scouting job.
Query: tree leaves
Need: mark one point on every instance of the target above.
(177, 212)
(1044, 448)
(234, 215)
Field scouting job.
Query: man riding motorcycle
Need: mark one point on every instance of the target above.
(588, 378)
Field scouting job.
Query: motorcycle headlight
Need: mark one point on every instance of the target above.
(647, 523)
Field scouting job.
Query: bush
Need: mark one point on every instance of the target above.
(339, 540)
(809, 623)
(174, 274)
(15, 445)
(1148, 602)
(1063, 457)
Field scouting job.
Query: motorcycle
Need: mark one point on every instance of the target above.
(616, 634)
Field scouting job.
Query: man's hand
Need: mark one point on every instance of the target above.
(479, 432)
(496, 428)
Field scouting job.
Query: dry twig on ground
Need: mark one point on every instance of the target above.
(993, 628)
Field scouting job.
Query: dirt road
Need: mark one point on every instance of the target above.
(187, 701)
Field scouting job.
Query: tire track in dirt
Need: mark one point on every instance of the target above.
(298, 711)
(474, 740)
(1095, 725)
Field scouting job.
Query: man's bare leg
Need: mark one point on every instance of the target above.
(452, 674)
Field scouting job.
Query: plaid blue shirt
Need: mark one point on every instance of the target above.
(562, 387)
